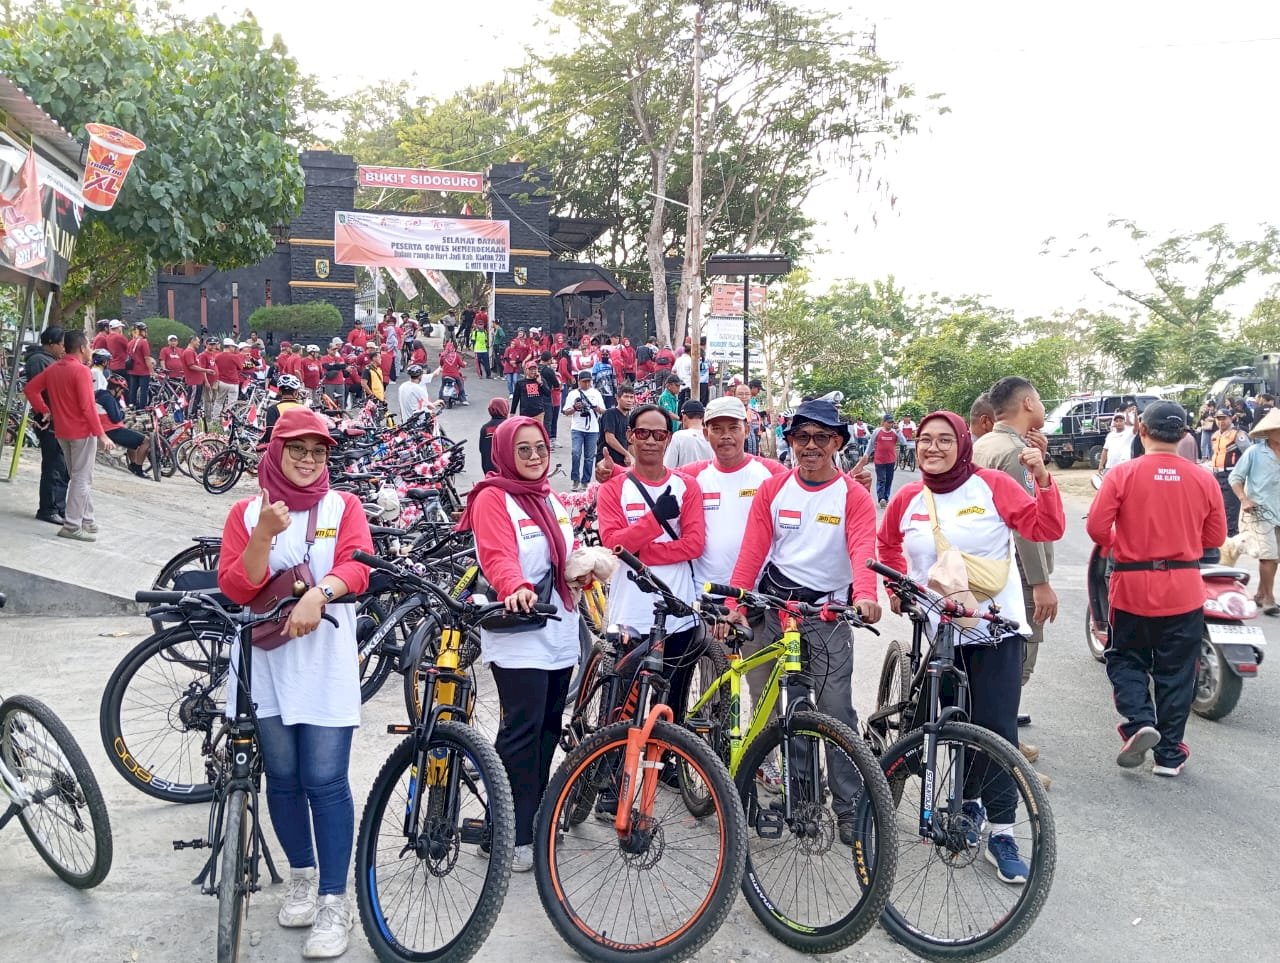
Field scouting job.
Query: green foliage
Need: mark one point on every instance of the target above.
(214, 104)
(159, 329)
(315, 317)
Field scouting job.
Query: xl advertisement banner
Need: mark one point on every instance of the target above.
(38, 237)
(363, 238)
(421, 179)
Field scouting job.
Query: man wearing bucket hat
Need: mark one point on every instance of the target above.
(808, 535)
(1157, 514)
(1255, 481)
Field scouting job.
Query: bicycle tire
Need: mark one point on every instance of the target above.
(485, 716)
(222, 472)
(869, 869)
(177, 680)
(590, 712)
(902, 762)
(894, 688)
(77, 794)
(233, 875)
(153, 452)
(200, 454)
(202, 556)
(386, 807)
(168, 463)
(377, 665)
(717, 735)
(611, 868)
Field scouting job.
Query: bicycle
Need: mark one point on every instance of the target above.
(809, 890)
(235, 838)
(224, 468)
(648, 880)
(907, 457)
(53, 792)
(441, 789)
(940, 769)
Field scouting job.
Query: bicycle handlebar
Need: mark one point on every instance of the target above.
(244, 617)
(476, 613)
(826, 612)
(903, 584)
(652, 585)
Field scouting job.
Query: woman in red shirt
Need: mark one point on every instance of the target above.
(139, 366)
(451, 367)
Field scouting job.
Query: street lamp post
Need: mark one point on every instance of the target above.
(745, 265)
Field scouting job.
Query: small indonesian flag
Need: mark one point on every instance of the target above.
(710, 501)
(634, 507)
(788, 518)
(529, 528)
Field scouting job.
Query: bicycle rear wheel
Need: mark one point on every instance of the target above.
(662, 892)
(947, 902)
(436, 896)
(233, 875)
(168, 461)
(153, 453)
(68, 826)
(810, 890)
(590, 713)
(712, 724)
(160, 706)
(198, 455)
(222, 472)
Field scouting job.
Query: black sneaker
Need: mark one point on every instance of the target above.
(847, 833)
(137, 470)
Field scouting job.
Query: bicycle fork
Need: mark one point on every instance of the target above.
(800, 763)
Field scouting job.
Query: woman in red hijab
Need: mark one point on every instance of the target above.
(624, 361)
(307, 690)
(523, 539)
(976, 510)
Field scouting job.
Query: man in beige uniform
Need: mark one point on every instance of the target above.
(1019, 413)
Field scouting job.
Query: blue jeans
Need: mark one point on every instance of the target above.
(307, 786)
(884, 482)
(584, 454)
(511, 382)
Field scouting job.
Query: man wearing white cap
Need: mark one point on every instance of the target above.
(118, 345)
(226, 383)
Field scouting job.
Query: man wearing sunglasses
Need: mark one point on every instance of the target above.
(808, 536)
(656, 514)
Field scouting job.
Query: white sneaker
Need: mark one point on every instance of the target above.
(522, 861)
(328, 936)
(299, 908)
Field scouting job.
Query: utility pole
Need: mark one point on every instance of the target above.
(693, 260)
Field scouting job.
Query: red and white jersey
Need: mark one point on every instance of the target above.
(624, 519)
(726, 502)
(513, 551)
(975, 518)
(818, 537)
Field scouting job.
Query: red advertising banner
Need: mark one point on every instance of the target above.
(40, 218)
(726, 299)
(420, 179)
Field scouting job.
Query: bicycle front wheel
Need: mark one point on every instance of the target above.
(160, 707)
(233, 876)
(68, 826)
(661, 892)
(948, 903)
(810, 889)
(436, 895)
(222, 472)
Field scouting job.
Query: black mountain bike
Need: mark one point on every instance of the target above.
(235, 839)
(943, 772)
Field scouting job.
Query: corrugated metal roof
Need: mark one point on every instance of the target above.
(53, 137)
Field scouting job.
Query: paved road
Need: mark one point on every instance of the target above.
(1147, 869)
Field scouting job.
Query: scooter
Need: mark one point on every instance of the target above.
(1230, 651)
(448, 390)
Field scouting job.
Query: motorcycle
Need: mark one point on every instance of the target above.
(1230, 651)
(448, 390)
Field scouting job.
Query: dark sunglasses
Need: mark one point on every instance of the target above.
(644, 434)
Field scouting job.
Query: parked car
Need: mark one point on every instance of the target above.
(1078, 426)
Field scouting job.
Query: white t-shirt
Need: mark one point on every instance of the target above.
(684, 370)
(312, 680)
(629, 606)
(589, 421)
(1118, 446)
(555, 645)
(413, 397)
(726, 503)
(688, 445)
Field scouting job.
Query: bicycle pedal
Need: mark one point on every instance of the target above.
(769, 823)
(399, 729)
(698, 725)
(191, 844)
(474, 831)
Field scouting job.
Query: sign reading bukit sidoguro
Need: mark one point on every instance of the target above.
(366, 239)
(422, 179)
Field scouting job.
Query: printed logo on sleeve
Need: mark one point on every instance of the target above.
(788, 518)
(826, 519)
(710, 501)
(529, 529)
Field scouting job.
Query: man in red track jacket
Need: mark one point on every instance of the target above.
(77, 428)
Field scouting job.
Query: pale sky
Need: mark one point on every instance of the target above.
(1061, 118)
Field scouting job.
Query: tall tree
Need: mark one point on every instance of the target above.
(214, 104)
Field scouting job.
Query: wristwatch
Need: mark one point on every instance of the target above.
(328, 592)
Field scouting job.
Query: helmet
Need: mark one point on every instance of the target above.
(414, 371)
(101, 356)
(313, 348)
(117, 381)
(288, 382)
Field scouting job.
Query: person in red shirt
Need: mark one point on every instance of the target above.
(194, 371)
(419, 355)
(624, 361)
(1157, 515)
(387, 359)
(171, 359)
(227, 365)
(311, 371)
(451, 367)
(118, 345)
(77, 428)
(139, 365)
(357, 337)
(100, 339)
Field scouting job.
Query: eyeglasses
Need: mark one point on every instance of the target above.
(803, 439)
(657, 434)
(942, 444)
(303, 453)
(530, 452)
